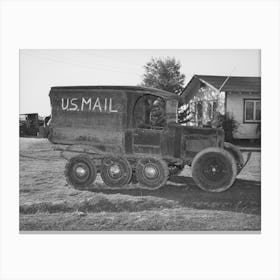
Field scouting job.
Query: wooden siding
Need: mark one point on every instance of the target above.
(195, 139)
(235, 107)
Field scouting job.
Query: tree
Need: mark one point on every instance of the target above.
(164, 74)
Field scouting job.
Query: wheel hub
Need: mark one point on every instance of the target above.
(213, 171)
(80, 171)
(115, 171)
(151, 172)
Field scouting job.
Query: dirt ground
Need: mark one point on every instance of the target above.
(48, 203)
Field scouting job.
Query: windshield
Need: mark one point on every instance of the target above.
(154, 112)
(172, 111)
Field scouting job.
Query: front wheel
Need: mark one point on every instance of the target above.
(214, 170)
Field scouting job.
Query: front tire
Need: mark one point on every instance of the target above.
(80, 171)
(214, 170)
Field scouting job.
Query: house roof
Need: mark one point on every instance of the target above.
(222, 83)
(248, 84)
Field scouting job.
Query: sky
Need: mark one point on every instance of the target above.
(42, 69)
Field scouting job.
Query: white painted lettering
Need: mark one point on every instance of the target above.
(75, 106)
(111, 107)
(86, 102)
(90, 104)
(97, 105)
(63, 106)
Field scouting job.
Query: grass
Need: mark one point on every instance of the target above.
(179, 219)
(48, 203)
(98, 203)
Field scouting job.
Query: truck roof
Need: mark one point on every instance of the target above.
(129, 89)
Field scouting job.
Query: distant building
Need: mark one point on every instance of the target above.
(31, 124)
(239, 97)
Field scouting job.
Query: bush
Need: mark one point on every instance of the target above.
(228, 123)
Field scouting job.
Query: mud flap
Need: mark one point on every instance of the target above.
(249, 154)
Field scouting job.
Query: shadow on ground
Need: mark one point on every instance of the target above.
(244, 196)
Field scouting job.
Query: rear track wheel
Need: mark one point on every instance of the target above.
(152, 173)
(80, 171)
(116, 171)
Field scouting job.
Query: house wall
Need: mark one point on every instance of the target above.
(205, 96)
(235, 107)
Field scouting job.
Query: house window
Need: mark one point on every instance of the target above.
(199, 109)
(202, 111)
(211, 109)
(252, 110)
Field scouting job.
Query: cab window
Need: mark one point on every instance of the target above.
(172, 111)
(150, 112)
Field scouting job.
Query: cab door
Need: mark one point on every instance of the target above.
(146, 136)
(147, 141)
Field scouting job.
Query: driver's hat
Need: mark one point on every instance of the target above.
(158, 102)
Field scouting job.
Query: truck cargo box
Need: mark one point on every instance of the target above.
(92, 115)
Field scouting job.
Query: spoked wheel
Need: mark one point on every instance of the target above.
(116, 171)
(80, 171)
(152, 173)
(214, 169)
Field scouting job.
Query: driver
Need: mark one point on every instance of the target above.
(157, 114)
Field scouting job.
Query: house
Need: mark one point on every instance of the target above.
(237, 97)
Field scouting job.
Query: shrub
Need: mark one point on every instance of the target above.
(228, 123)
